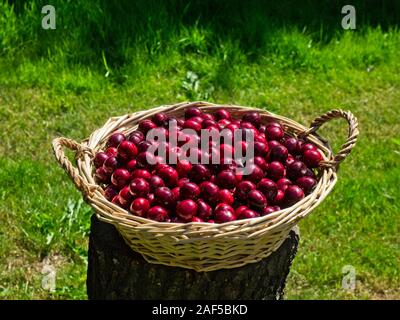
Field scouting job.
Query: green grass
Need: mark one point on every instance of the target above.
(109, 58)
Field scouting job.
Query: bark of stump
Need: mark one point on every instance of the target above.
(115, 271)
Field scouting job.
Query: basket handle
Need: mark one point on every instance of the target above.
(59, 143)
(351, 136)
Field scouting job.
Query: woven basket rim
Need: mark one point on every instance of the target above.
(93, 143)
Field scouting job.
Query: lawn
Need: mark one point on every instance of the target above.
(109, 58)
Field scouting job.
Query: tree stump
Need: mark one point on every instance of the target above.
(115, 271)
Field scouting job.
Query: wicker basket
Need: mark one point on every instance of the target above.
(203, 246)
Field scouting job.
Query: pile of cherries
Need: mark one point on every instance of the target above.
(283, 171)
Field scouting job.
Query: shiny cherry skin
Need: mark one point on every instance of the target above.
(312, 158)
(223, 216)
(209, 191)
(268, 188)
(256, 174)
(156, 182)
(276, 170)
(225, 196)
(159, 118)
(186, 209)
(125, 196)
(199, 173)
(248, 214)
(204, 210)
(256, 199)
(269, 209)
(157, 213)
(164, 197)
(127, 150)
(146, 125)
(115, 139)
(139, 187)
(226, 179)
(169, 175)
(243, 188)
(102, 175)
(111, 164)
(189, 190)
(274, 132)
(306, 183)
(141, 173)
(293, 194)
(99, 159)
(283, 183)
(120, 177)
(140, 207)
(278, 153)
(110, 192)
(296, 170)
(183, 167)
(222, 114)
(253, 117)
(193, 112)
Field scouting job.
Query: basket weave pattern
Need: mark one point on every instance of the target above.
(203, 246)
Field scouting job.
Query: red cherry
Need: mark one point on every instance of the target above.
(197, 119)
(209, 191)
(102, 175)
(125, 196)
(139, 187)
(269, 209)
(260, 148)
(156, 182)
(211, 221)
(278, 153)
(225, 196)
(253, 117)
(169, 175)
(186, 209)
(144, 146)
(110, 192)
(210, 124)
(141, 173)
(279, 197)
(151, 198)
(146, 159)
(289, 160)
(191, 124)
(274, 132)
(199, 173)
(240, 209)
(182, 181)
(293, 146)
(306, 183)
(243, 188)
(176, 193)
(183, 167)
(283, 183)
(131, 165)
(100, 158)
(224, 206)
(208, 116)
(197, 219)
(204, 210)
(222, 114)
(189, 190)
(223, 216)
(307, 146)
(157, 213)
(259, 161)
(193, 112)
(273, 143)
(164, 197)
(223, 123)
(112, 152)
(127, 150)
(268, 188)
(146, 125)
(136, 137)
(248, 126)
(140, 206)
(115, 139)
(293, 194)
(256, 174)
(312, 158)
(256, 199)
(111, 164)
(296, 170)
(248, 214)
(120, 177)
(276, 170)
(226, 179)
(159, 118)
(115, 201)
